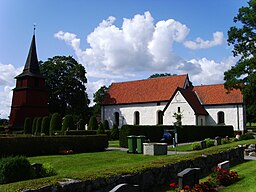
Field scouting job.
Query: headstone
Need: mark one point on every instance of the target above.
(155, 148)
(217, 141)
(203, 144)
(125, 187)
(225, 165)
(189, 176)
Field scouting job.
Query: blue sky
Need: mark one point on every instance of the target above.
(118, 40)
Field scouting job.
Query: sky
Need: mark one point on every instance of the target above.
(119, 40)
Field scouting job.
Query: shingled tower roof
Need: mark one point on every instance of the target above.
(31, 67)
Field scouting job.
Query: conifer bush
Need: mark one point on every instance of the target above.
(45, 125)
(55, 123)
(34, 125)
(115, 132)
(27, 126)
(38, 126)
(81, 124)
(93, 124)
(101, 129)
(106, 124)
(68, 123)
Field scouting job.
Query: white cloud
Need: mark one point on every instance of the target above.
(199, 43)
(212, 72)
(7, 83)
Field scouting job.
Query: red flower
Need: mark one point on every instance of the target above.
(186, 187)
(172, 185)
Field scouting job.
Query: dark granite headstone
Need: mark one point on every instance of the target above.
(189, 176)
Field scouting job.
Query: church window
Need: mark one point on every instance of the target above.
(221, 118)
(136, 118)
(160, 117)
(116, 115)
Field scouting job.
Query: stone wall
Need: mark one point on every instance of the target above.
(149, 179)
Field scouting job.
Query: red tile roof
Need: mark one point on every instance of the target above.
(217, 94)
(143, 91)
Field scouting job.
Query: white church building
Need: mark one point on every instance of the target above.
(155, 101)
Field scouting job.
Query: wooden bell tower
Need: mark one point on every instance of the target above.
(30, 96)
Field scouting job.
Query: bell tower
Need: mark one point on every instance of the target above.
(30, 96)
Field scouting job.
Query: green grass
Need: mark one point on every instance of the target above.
(187, 147)
(104, 164)
(113, 143)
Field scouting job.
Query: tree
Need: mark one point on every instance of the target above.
(45, 125)
(34, 125)
(243, 75)
(27, 126)
(65, 80)
(55, 123)
(101, 129)
(98, 98)
(93, 124)
(114, 132)
(106, 124)
(156, 75)
(68, 123)
(38, 126)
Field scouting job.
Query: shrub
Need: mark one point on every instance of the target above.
(38, 126)
(209, 142)
(101, 129)
(68, 123)
(81, 132)
(247, 136)
(27, 126)
(34, 125)
(55, 123)
(224, 177)
(196, 146)
(93, 124)
(43, 170)
(81, 124)
(114, 132)
(45, 125)
(14, 169)
(106, 124)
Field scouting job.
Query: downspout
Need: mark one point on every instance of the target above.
(237, 113)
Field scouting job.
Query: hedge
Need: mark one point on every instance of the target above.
(186, 133)
(51, 145)
(153, 133)
(81, 132)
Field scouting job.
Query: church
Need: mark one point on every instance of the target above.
(156, 101)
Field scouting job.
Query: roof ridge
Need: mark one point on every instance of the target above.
(208, 85)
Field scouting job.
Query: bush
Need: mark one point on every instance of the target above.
(209, 142)
(247, 136)
(153, 133)
(101, 129)
(45, 125)
(196, 146)
(81, 132)
(27, 126)
(106, 124)
(38, 126)
(55, 123)
(93, 124)
(68, 123)
(34, 125)
(14, 169)
(114, 132)
(81, 124)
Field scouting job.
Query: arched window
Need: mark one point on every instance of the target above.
(221, 118)
(136, 118)
(116, 115)
(160, 117)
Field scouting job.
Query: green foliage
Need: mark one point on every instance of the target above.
(247, 136)
(51, 145)
(98, 98)
(45, 170)
(27, 126)
(153, 133)
(157, 75)
(242, 76)
(55, 123)
(34, 125)
(101, 129)
(68, 123)
(45, 125)
(114, 132)
(81, 124)
(196, 146)
(65, 80)
(106, 124)
(209, 142)
(93, 124)
(81, 132)
(38, 126)
(14, 169)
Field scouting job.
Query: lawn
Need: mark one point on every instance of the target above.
(103, 164)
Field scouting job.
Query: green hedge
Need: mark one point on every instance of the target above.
(49, 145)
(153, 133)
(186, 133)
(81, 132)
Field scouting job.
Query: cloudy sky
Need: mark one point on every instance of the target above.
(119, 40)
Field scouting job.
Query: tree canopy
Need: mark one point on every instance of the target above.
(98, 98)
(243, 75)
(65, 80)
(156, 75)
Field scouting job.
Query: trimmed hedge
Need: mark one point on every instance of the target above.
(55, 123)
(68, 123)
(153, 133)
(27, 126)
(51, 145)
(93, 124)
(45, 125)
(81, 132)
(186, 133)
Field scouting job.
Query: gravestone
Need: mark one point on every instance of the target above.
(125, 187)
(217, 141)
(189, 176)
(202, 144)
(225, 165)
